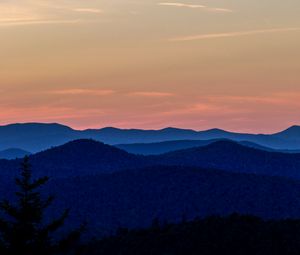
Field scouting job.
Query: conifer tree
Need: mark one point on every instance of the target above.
(22, 229)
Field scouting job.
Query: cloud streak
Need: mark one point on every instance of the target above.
(233, 34)
(182, 5)
(88, 10)
(33, 12)
(88, 92)
(27, 22)
(195, 6)
(151, 94)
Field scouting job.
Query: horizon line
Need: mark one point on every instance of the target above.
(143, 129)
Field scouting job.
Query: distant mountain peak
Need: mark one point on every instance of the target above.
(37, 125)
(215, 130)
(83, 141)
(291, 132)
(293, 128)
(81, 145)
(83, 156)
(109, 128)
(84, 147)
(173, 129)
(169, 128)
(35, 137)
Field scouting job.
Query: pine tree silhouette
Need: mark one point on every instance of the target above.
(22, 230)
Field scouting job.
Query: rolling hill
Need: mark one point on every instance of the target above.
(83, 157)
(133, 198)
(231, 156)
(35, 137)
(111, 188)
(89, 157)
(292, 133)
(169, 146)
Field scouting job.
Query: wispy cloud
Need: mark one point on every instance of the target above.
(90, 92)
(182, 5)
(151, 94)
(39, 22)
(195, 6)
(88, 10)
(234, 34)
(35, 12)
(219, 9)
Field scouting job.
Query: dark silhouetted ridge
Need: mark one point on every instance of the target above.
(82, 157)
(290, 133)
(231, 156)
(35, 137)
(32, 127)
(169, 146)
(89, 157)
(133, 198)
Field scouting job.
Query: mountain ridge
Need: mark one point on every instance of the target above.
(111, 188)
(169, 146)
(234, 157)
(90, 157)
(26, 135)
(136, 197)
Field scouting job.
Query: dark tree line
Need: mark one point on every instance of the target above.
(234, 235)
(23, 230)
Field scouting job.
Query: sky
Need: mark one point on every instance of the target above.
(231, 64)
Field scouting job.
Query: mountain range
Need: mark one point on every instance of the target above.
(134, 198)
(36, 137)
(89, 157)
(169, 146)
(111, 188)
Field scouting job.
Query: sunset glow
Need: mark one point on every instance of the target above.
(151, 64)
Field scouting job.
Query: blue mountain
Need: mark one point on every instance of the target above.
(111, 188)
(133, 198)
(35, 137)
(169, 146)
(292, 133)
(89, 157)
(234, 157)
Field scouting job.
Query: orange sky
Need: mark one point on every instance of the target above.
(150, 64)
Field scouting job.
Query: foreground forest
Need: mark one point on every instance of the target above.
(25, 230)
(223, 198)
(234, 235)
